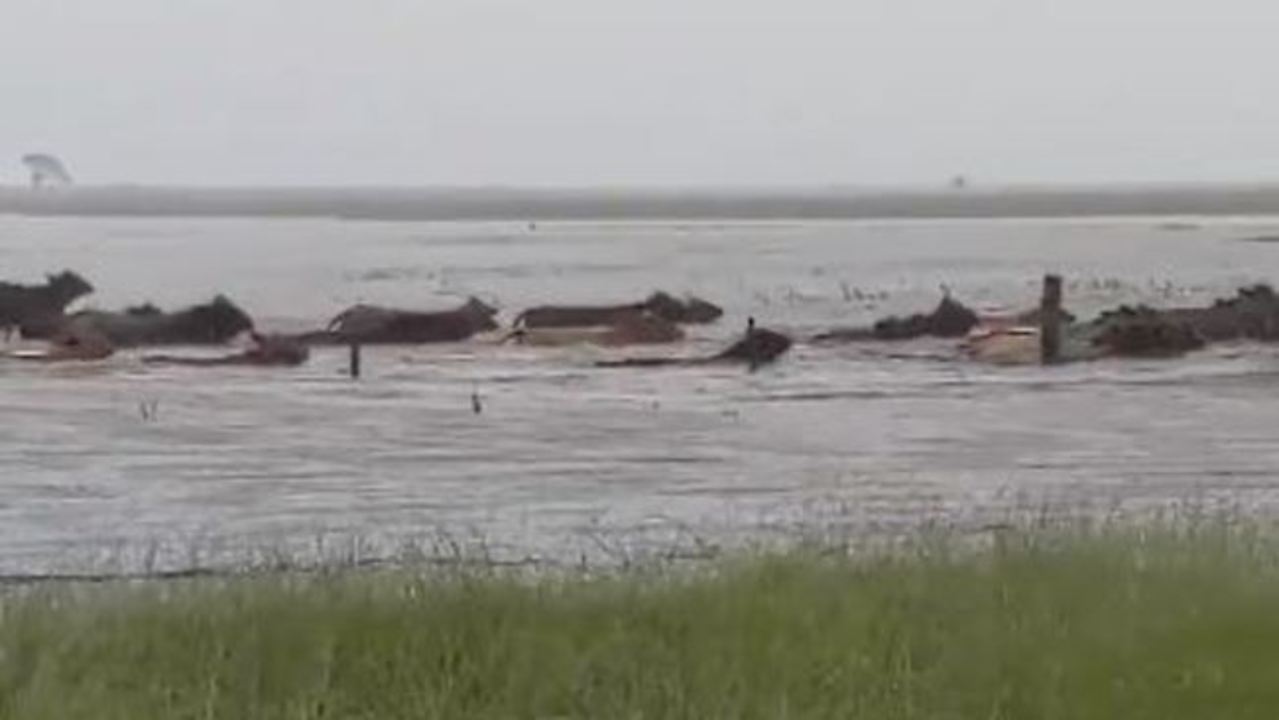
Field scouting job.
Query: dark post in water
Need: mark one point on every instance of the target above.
(355, 360)
(1050, 321)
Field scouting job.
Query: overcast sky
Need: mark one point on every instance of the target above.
(580, 92)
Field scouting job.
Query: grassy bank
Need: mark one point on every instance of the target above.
(1097, 625)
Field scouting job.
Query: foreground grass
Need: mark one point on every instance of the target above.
(1100, 625)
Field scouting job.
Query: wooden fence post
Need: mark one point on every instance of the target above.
(1050, 321)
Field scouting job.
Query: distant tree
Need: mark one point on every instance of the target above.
(46, 169)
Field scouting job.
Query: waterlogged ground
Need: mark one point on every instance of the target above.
(567, 460)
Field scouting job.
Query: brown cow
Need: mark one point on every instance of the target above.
(37, 310)
(212, 323)
(376, 325)
(950, 319)
(690, 311)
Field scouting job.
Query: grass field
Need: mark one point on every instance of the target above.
(1101, 624)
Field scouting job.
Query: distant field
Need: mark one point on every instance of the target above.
(603, 204)
(1110, 624)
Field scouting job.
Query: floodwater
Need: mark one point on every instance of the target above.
(567, 460)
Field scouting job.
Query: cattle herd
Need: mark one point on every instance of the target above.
(39, 312)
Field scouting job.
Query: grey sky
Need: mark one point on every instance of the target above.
(575, 92)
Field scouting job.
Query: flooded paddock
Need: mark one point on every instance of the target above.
(569, 460)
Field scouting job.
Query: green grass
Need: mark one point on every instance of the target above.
(1109, 624)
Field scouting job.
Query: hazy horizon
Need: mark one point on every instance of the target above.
(704, 93)
(22, 185)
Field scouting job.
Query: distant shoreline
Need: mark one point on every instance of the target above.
(444, 204)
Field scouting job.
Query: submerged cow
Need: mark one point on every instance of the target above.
(757, 347)
(69, 343)
(689, 311)
(1252, 314)
(372, 324)
(950, 319)
(1134, 332)
(37, 311)
(212, 323)
(267, 351)
(1142, 331)
(634, 328)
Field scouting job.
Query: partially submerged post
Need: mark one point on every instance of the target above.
(355, 360)
(1050, 321)
(750, 343)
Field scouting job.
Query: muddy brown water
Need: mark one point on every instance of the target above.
(568, 460)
